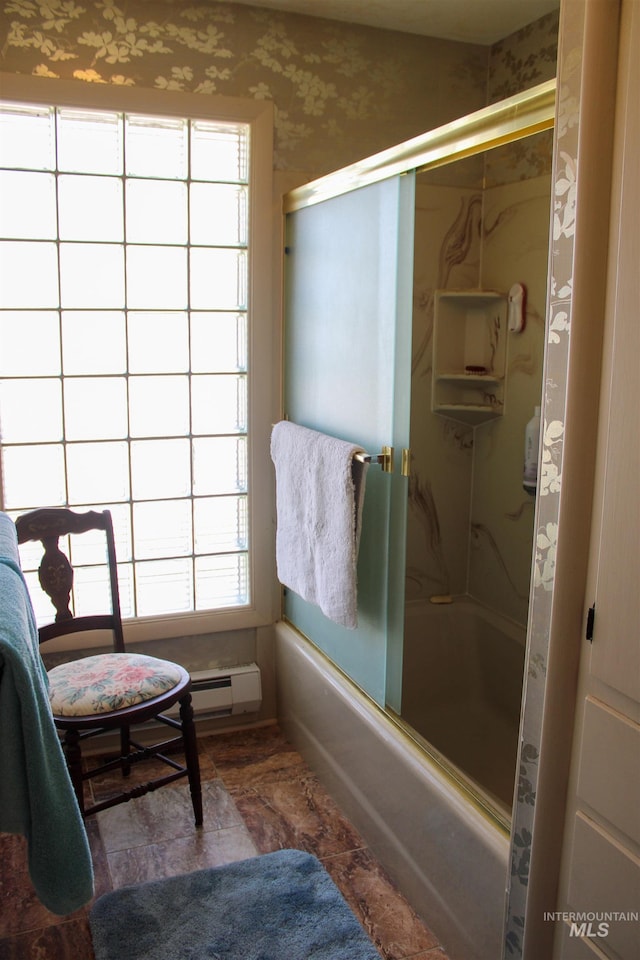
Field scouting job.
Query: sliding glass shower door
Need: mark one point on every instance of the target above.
(348, 298)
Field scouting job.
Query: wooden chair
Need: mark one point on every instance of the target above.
(110, 691)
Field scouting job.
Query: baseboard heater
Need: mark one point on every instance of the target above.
(225, 692)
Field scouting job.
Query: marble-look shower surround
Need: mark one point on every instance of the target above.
(472, 521)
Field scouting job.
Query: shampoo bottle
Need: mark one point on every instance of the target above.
(531, 443)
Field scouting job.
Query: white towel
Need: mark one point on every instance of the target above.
(319, 494)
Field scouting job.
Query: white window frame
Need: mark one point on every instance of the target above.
(263, 363)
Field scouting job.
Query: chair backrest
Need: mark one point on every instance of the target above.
(56, 574)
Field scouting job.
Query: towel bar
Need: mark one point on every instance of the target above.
(384, 459)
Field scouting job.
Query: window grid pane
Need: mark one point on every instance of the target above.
(138, 366)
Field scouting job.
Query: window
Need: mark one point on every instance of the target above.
(128, 262)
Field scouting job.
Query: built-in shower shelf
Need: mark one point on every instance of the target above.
(469, 377)
(469, 413)
(469, 354)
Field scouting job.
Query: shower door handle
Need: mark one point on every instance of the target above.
(383, 459)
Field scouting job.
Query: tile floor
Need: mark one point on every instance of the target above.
(259, 795)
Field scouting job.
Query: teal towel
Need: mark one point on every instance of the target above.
(36, 796)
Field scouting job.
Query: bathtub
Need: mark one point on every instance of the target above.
(446, 854)
(462, 689)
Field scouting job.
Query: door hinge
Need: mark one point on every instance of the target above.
(591, 615)
(405, 466)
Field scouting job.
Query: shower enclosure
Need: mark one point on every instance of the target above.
(481, 229)
(367, 249)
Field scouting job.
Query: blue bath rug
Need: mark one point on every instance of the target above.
(279, 906)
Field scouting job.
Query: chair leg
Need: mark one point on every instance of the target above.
(73, 756)
(191, 756)
(125, 747)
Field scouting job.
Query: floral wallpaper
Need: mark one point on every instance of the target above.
(341, 92)
(523, 59)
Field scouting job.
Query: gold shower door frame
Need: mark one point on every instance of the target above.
(508, 120)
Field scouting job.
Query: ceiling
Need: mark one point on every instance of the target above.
(470, 21)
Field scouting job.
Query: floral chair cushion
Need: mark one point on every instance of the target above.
(110, 681)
